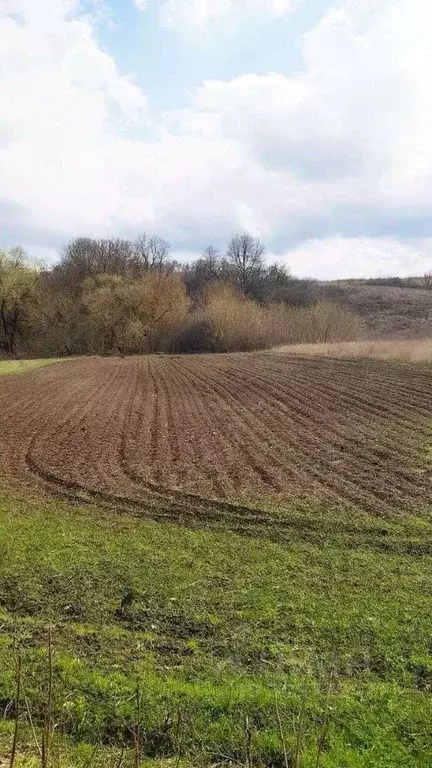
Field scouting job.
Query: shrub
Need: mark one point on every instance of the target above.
(231, 323)
(237, 323)
(195, 335)
(130, 316)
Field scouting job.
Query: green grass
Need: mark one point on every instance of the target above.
(22, 366)
(218, 626)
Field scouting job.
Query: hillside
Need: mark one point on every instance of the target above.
(388, 311)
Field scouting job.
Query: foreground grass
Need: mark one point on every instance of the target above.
(22, 366)
(419, 350)
(221, 648)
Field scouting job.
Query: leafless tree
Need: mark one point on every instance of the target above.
(246, 255)
(428, 280)
(211, 253)
(153, 252)
(203, 272)
(85, 257)
(211, 262)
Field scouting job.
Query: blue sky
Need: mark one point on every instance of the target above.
(304, 122)
(168, 65)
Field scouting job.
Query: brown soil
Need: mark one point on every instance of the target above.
(212, 437)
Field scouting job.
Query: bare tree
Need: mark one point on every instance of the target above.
(141, 251)
(84, 257)
(427, 277)
(153, 252)
(159, 251)
(246, 255)
(210, 263)
(211, 254)
(114, 256)
(203, 272)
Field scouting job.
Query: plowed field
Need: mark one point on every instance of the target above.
(217, 436)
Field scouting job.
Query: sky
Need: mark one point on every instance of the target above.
(307, 123)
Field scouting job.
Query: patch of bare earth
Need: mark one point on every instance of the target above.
(199, 437)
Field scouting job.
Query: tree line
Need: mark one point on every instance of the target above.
(118, 296)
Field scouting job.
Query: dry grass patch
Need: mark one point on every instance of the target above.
(408, 351)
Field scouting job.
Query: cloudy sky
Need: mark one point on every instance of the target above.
(305, 122)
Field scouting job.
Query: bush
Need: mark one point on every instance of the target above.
(237, 323)
(109, 303)
(326, 322)
(231, 323)
(195, 335)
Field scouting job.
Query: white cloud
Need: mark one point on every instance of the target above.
(193, 14)
(358, 257)
(343, 147)
(141, 4)
(362, 106)
(63, 105)
(199, 15)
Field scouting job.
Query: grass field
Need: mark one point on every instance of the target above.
(232, 614)
(219, 623)
(23, 366)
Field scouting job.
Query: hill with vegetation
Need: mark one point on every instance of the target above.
(128, 297)
(389, 308)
